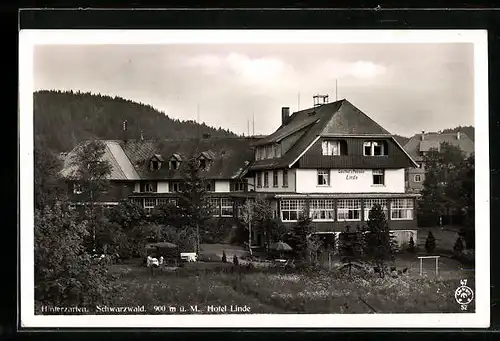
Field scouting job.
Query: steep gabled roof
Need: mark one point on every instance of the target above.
(433, 140)
(340, 118)
(121, 168)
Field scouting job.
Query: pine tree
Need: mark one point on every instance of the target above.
(224, 257)
(300, 231)
(235, 260)
(350, 244)
(379, 241)
(430, 243)
(193, 203)
(411, 245)
(458, 247)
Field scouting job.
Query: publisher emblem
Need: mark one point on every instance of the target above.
(464, 295)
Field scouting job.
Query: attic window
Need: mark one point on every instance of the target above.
(155, 162)
(202, 163)
(334, 147)
(174, 164)
(375, 148)
(155, 165)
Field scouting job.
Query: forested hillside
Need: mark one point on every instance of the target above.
(468, 130)
(62, 119)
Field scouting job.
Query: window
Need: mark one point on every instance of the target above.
(349, 209)
(285, 177)
(209, 186)
(214, 204)
(155, 165)
(148, 187)
(174, 164)
(418, 178)
(266, 179)
(149, 204)
(402, 209)
(226, 207)
(138, 201)
(322, 209)
(173, 201)
(277, 150)
(378, 177)
(323, 177)
(174, 187)
(269, 151)
(331, 147)
(77, 188)
(259, 180)
(238, 186)
(202, 163)
(162, 201)
(374, 148)
(275, 178)
(369, 203)
(291, 209)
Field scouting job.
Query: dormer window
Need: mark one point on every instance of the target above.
(204, 159)
(77, 188)
(202, 163)
(375, 148)
(174, 162)
(334, 147)
(155, 162)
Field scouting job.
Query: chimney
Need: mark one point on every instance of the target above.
(422, 137)
(142, 135)
(458, 135)
(285, 115)
(125, 127)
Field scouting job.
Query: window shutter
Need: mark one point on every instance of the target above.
(231, 186)
(155, 186)
(142, 187)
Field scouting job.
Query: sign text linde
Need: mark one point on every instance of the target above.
(351, 173)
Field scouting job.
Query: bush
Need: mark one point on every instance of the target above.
(411, 245)
(216, 230)
(235, 260)
(64, 273)
(458, 247)
(430, 243)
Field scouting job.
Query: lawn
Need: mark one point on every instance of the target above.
(264, 291)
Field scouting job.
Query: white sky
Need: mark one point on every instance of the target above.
(406, 88)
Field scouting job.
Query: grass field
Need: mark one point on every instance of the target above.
(271, 292)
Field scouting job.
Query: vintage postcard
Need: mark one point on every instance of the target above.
(291, 179)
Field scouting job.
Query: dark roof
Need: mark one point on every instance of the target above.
(340, 118)
(230, 156)
(433, 140)
(121, 168)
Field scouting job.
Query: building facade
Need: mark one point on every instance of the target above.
(420, 144)
(332, 157)
(150, 172)
(339, 161)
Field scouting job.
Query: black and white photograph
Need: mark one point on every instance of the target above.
(254, 178)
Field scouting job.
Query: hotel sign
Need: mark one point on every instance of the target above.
(351, 174)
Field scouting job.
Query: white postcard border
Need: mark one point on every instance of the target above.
(29, 38)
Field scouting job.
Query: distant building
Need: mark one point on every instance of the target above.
(420, 144)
